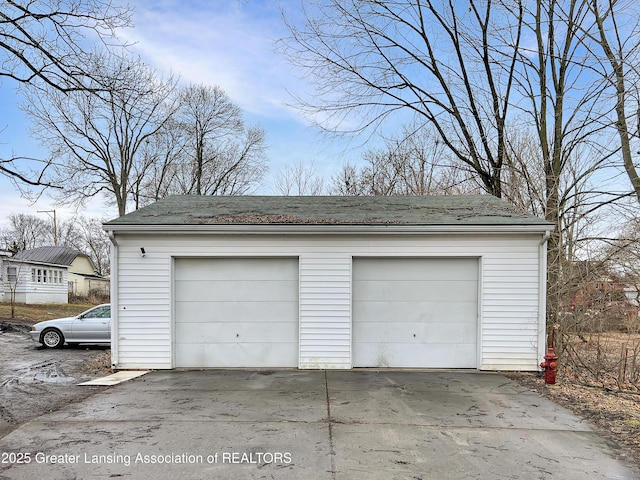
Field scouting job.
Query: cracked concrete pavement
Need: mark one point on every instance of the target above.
(288, 424)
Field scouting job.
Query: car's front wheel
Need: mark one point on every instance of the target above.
(52, 338)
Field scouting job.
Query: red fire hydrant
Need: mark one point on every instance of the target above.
(550, 363)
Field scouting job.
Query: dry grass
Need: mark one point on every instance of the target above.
(608, 360)
(30, 314)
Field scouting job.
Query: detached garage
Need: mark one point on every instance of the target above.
(328, 282)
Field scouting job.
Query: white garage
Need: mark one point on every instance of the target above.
(236, 312)
(328, 283)
(415, 312)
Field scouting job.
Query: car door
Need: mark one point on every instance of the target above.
(93, 325)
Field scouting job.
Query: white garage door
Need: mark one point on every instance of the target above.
(236, 312)
(415, 312)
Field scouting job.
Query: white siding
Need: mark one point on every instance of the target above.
(3, 274)
(50, 286)
(144, 309)
(510, 325)
(325, 311)
(510, 311)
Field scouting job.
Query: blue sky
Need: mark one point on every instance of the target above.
(229, 43)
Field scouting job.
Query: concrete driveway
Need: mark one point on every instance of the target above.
(311, 425)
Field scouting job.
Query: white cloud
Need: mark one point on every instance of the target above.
(229, 44)
(232, 44)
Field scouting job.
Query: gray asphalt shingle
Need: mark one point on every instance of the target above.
(263, 210)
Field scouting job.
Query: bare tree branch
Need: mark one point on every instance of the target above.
(44, 40)
(97, 135)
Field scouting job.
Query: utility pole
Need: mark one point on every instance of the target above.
(55, 225)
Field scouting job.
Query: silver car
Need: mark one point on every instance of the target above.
(92, 326)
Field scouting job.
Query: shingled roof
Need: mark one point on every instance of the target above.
(316, 210)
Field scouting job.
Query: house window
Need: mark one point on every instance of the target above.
(39, 279)
(12, 274)
(33, 275)
(44, 276)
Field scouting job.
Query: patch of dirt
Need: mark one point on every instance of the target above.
(100, 365)
(35, 380)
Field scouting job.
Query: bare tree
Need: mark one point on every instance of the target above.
(484, 75)
(416, 163)
(235, 167)
(216, 154)
(620, 74)
(96, 136)
(208, 117)
(26, 232)
(96, 244)
(87, 236)
(16, 272)
(349, 181)
(565, 112)
(299, 179)
(42, 42)
(450, 66)
(156, 174)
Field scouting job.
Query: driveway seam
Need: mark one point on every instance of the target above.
(332, 451)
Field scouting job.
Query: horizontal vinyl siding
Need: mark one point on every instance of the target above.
(144, 310)
(510, 304)
(325, 311)
(31, 292)
(509, 326)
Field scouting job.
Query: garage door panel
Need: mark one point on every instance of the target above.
(207, 312)
(236, 312)
(226, 355)
(208, 269)
(439, 270)
(415, 312)
(404, 311)
(238, 332)
(384, 290)
(414, 332)
(417, 356)
(234, 290)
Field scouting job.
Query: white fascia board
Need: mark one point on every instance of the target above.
(329, 229)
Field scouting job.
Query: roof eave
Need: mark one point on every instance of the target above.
(328, 229)
(36, 263)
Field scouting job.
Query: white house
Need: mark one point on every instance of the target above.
(31, 281)
(82, 278)
(328, 282)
